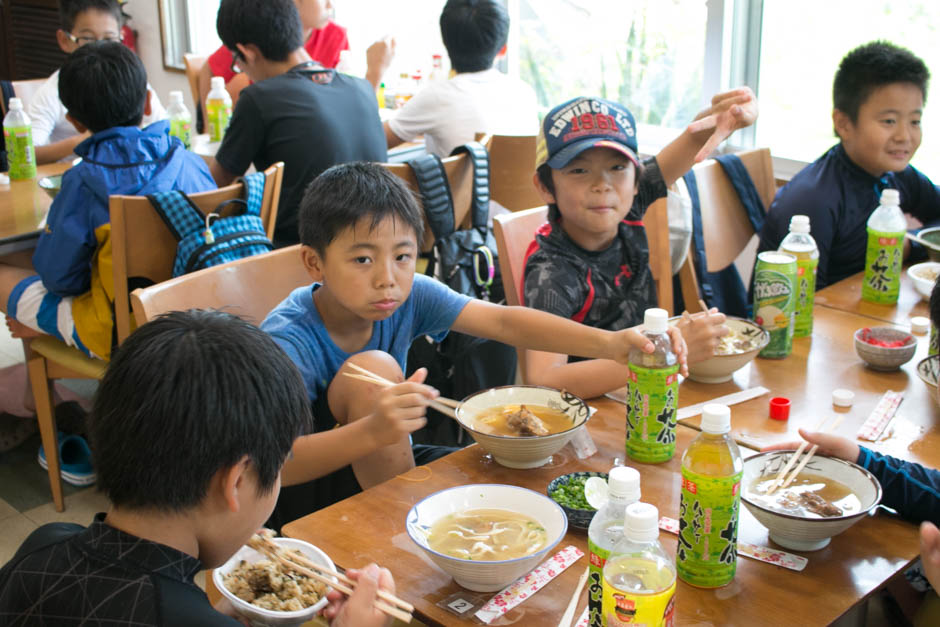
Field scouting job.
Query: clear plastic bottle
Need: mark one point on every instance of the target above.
(606, 530)
(404, 90)
(653, 394)
(707, 551)
(437, 69)
(181, 121)
(801, 245)
(18, 140)
(883, 257)
(639, 577)
(218, 109)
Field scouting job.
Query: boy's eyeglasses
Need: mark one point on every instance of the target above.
(236, 55)
(82, 40)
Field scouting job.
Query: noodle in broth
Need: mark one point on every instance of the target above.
(788, 500)
(487, 535)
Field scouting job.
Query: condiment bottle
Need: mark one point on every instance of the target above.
(606, 530)
(181, 122)
(218, 109)
(886, 228)
(653, 394)
(639, 577)
(706, 553)
(801, 245)
(18, 140)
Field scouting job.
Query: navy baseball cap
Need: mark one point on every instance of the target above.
(577, 125)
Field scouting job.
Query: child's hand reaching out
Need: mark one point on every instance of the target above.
(730, 111)
(629, 339)
(401, 408)
(702, 332)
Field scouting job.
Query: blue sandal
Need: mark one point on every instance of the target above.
(74, 460)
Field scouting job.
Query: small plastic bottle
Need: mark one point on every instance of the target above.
(639, 577)
(801, 245)
(606, 530)
(437, 69)
(181, 121)
(653, 394)
(218, 109)
(18, 139)
(707, 550)
(380, 95)
(883, 257)
(404, 90)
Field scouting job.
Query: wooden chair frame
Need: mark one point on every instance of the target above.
(512, 164)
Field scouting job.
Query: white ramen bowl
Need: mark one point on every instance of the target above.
(919, 275)
(800, 533)
(522, 451)
(477, 575)
(261, 617)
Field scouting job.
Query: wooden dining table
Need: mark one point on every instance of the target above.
(846, 295)
(370, 527)
(23, 207)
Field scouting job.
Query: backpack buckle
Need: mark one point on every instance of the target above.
(207, 234)
(483, 280)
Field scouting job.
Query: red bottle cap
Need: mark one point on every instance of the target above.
(780, 408)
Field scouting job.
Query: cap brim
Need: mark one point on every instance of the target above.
(564, 156)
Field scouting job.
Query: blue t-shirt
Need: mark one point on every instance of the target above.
(296, 326)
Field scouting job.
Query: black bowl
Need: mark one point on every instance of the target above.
(579, 518)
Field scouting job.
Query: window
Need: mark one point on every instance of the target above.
(187, 27)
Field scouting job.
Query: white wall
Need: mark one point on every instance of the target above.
(146, 21)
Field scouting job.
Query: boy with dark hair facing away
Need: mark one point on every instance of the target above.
(82, 22)
(479, 98)
(878, 99)
(190, 428)
(104, 87)
(360, 227)
(297, 111)
(590, 261)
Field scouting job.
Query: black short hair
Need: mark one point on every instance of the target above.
(71, 9)
(189, 394)
(102, 85)
(474, 31)
(345, 194)
(874, 65)
(935, 304)
(272, 25)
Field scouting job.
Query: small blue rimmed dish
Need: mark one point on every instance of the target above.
(578, 518)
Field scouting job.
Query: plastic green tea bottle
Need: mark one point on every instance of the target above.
(181, 122)
(18, 139)
(886, 228)
(653, 394)
(801, 245)
(606, 530)
(707, 550)
(218, 109)
(639, 577)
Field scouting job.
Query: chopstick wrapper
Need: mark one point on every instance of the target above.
(884, 411)
(583, 619)
(761, 553)
(527, 585)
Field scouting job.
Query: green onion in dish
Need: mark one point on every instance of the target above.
(571, 494)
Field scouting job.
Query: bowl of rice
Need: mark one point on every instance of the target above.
(268, 594)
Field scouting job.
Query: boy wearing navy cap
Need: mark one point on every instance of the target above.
(590, 261)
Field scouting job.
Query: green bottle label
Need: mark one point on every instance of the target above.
(595, 583)
(934, 347)
(805, 290)
(773, 307)
(653, 396)
(21, 155)
(219, 114)
(707, 554)
(883, 267)
(183, 130)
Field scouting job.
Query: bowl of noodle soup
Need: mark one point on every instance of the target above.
(486, 536)
(745, 339)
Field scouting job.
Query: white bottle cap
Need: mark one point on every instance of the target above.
(891, 197)
(176, 97)
(623, 482)
(799, 224)
(641, 522)
(842, 397)
(217, 82)
(920, 325)
(16, 104)
(656, 320)
(716, 418)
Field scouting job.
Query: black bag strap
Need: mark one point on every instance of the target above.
(480, 201)
(744, 186)
(6, 92)
(435, 194)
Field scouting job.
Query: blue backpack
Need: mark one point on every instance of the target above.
(205, 242)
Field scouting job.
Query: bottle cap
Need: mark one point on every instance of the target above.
(780, 408)
(891, 197)
(15, 104)
(641, 522)
(217, 82)
(623, 482)
(842, 397)
(920, 325)
(799, 224)
(656, 320)
(716, 418)
(176, 97)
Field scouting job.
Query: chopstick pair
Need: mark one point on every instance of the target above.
(444, 405)
(799, 451)
(308, 568)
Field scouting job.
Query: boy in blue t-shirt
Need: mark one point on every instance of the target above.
(878, 99)
(360, 227)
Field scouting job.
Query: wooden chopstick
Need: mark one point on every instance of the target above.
(809, 455)
(778, 480)
(568, 616)
(444, 405)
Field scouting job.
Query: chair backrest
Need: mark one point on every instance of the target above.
(512, 164)
(194, 64)
(249, 287)
(143, 247)
(459, 170)
(25, 90)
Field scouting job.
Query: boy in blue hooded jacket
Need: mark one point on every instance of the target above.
(104, 87)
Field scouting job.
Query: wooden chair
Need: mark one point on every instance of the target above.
(194, 64)
(142, 247)
(512, 163)
(729, 236)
